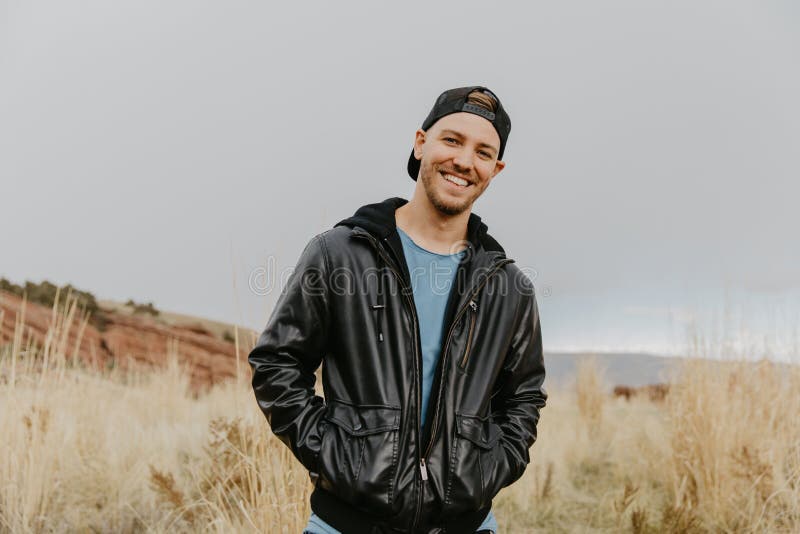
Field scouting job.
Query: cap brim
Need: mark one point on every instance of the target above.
(413, 166)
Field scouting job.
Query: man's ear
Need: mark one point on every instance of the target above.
(498, 166)
(419, 140)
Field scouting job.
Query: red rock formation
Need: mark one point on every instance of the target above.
(126, 339)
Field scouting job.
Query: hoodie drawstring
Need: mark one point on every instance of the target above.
(381, 303)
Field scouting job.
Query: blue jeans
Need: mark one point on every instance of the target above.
(317, 526)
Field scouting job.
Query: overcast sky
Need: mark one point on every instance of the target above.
(166, 151)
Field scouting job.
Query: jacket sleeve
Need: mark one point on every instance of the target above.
(289, 351)
(517, 403)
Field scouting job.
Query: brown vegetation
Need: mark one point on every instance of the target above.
(112, 450)
(654, 392)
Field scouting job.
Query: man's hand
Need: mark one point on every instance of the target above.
(521, 395)
(289, 351)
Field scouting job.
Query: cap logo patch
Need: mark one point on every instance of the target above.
(477, 110)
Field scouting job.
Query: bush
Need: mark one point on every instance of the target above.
(147, 308)
(45, 292)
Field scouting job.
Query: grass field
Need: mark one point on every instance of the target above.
(132, 452)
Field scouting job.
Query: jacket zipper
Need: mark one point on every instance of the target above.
(472, 317)
(435, 424)
(423, 470)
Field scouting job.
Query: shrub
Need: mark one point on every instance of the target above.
(45, 292)
(147, 308)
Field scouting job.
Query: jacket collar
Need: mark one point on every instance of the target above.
(379, 220)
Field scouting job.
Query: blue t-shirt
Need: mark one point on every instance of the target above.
(432, 278)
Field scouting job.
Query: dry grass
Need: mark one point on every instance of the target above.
(132, 452)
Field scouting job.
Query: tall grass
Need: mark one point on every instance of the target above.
(135, 450)
(735, 439)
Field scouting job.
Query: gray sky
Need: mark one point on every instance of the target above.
(165, 151)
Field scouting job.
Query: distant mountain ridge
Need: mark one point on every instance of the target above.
(618, 368)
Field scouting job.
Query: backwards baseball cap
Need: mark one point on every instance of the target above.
(454, 101)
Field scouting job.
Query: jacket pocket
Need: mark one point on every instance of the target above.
(358, 454)
(473, 464)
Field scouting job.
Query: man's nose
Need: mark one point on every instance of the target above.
(463, 160)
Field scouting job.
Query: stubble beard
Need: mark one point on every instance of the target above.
(429, 178)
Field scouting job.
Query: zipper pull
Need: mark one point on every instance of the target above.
(473, 305)
(422, 469)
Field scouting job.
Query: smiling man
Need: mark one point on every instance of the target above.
(429, 340)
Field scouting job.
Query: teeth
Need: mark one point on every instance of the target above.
(456, 180)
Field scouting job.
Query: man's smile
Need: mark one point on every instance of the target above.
(458, 181)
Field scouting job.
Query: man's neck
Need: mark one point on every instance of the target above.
(430, 228)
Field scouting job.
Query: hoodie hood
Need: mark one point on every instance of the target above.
(378, 219)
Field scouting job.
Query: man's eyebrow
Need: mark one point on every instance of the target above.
(460, 135)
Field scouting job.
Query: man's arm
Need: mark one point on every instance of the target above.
(289, 351)
(516, 404)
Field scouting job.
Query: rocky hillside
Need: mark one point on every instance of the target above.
(122, 334)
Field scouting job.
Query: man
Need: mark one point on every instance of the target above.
(432, 382)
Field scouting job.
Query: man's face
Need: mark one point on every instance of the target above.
(458, 159)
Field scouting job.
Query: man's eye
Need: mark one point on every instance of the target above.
(485, 154)
(450, 139)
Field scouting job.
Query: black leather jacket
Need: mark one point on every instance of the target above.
(349, 304)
